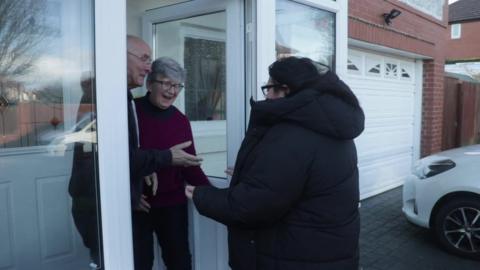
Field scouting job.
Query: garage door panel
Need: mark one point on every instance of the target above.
(382, 174)
(375, 141)
(381, 106)
(395, 121)
(385, 87)
(379, 154)
(382, 86)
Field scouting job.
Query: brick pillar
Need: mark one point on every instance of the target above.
(432, 107)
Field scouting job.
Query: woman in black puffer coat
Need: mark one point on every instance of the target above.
(293, 199)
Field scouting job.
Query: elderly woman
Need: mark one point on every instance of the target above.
(162, 126)
(293, 198)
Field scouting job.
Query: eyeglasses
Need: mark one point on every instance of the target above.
(167, 85)
(267, 87)
(145, 58)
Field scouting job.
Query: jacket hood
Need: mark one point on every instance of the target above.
(314, 109)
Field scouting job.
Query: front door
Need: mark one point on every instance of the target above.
(47, 89)
(206, 38)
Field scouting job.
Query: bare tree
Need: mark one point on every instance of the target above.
(22, 30)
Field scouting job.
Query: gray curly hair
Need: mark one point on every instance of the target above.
(167, 67)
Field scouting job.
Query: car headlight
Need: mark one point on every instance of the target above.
(430, 166)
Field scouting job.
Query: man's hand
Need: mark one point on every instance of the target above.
(180, 157)
(189, 191)
(143, 205)
(152, 181)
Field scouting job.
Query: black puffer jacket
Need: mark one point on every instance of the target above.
(293, 200)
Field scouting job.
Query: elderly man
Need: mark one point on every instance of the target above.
(144, 162)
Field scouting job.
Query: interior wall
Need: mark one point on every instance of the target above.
(135, 9)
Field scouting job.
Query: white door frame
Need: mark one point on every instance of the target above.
(265, 42)
(112, 132)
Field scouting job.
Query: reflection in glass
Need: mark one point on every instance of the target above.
(48, 188)
(198, 43)
(305, 31)
(205, 61)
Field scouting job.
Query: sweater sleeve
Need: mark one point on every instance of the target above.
(193, 175)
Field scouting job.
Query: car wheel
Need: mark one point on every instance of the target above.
(457, 227)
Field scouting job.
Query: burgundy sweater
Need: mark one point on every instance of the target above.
(162, 129)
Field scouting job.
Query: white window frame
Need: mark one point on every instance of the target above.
(113, 161)
(265, 41)
(456, 31)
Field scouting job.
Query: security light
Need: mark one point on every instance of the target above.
(388, 17)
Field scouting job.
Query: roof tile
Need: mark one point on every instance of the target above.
(464, 10)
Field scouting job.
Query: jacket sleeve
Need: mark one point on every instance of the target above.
(264, 194)
(146, 161)
(143, 161)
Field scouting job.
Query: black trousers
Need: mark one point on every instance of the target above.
(170, 224)
(84, 212)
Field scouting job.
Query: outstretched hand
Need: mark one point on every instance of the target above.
(182, 158)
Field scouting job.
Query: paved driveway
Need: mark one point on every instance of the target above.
(389, 242)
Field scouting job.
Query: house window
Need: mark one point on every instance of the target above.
(391, 70)
(373, 66)
(354, 64)
(430, 7)
(351, 66)
(456, 31)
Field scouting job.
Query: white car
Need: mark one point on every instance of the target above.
(443, 194)
(85, 132)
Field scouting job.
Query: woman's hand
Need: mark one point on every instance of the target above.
(229, 171)
(189, 191)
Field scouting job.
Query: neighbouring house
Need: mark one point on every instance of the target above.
(396, 66)
(463, 50)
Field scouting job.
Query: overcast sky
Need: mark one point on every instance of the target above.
(452, 1)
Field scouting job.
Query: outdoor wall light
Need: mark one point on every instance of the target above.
(388, 17)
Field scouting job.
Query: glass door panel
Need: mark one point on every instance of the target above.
(49, 216)
(305, 31)
(198, 43)
(310, 28)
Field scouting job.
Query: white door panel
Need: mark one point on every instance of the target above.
(37, 224)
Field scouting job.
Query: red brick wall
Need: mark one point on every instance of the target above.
(412, 31)
(467, 47)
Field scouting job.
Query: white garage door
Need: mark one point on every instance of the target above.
(385, 86)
